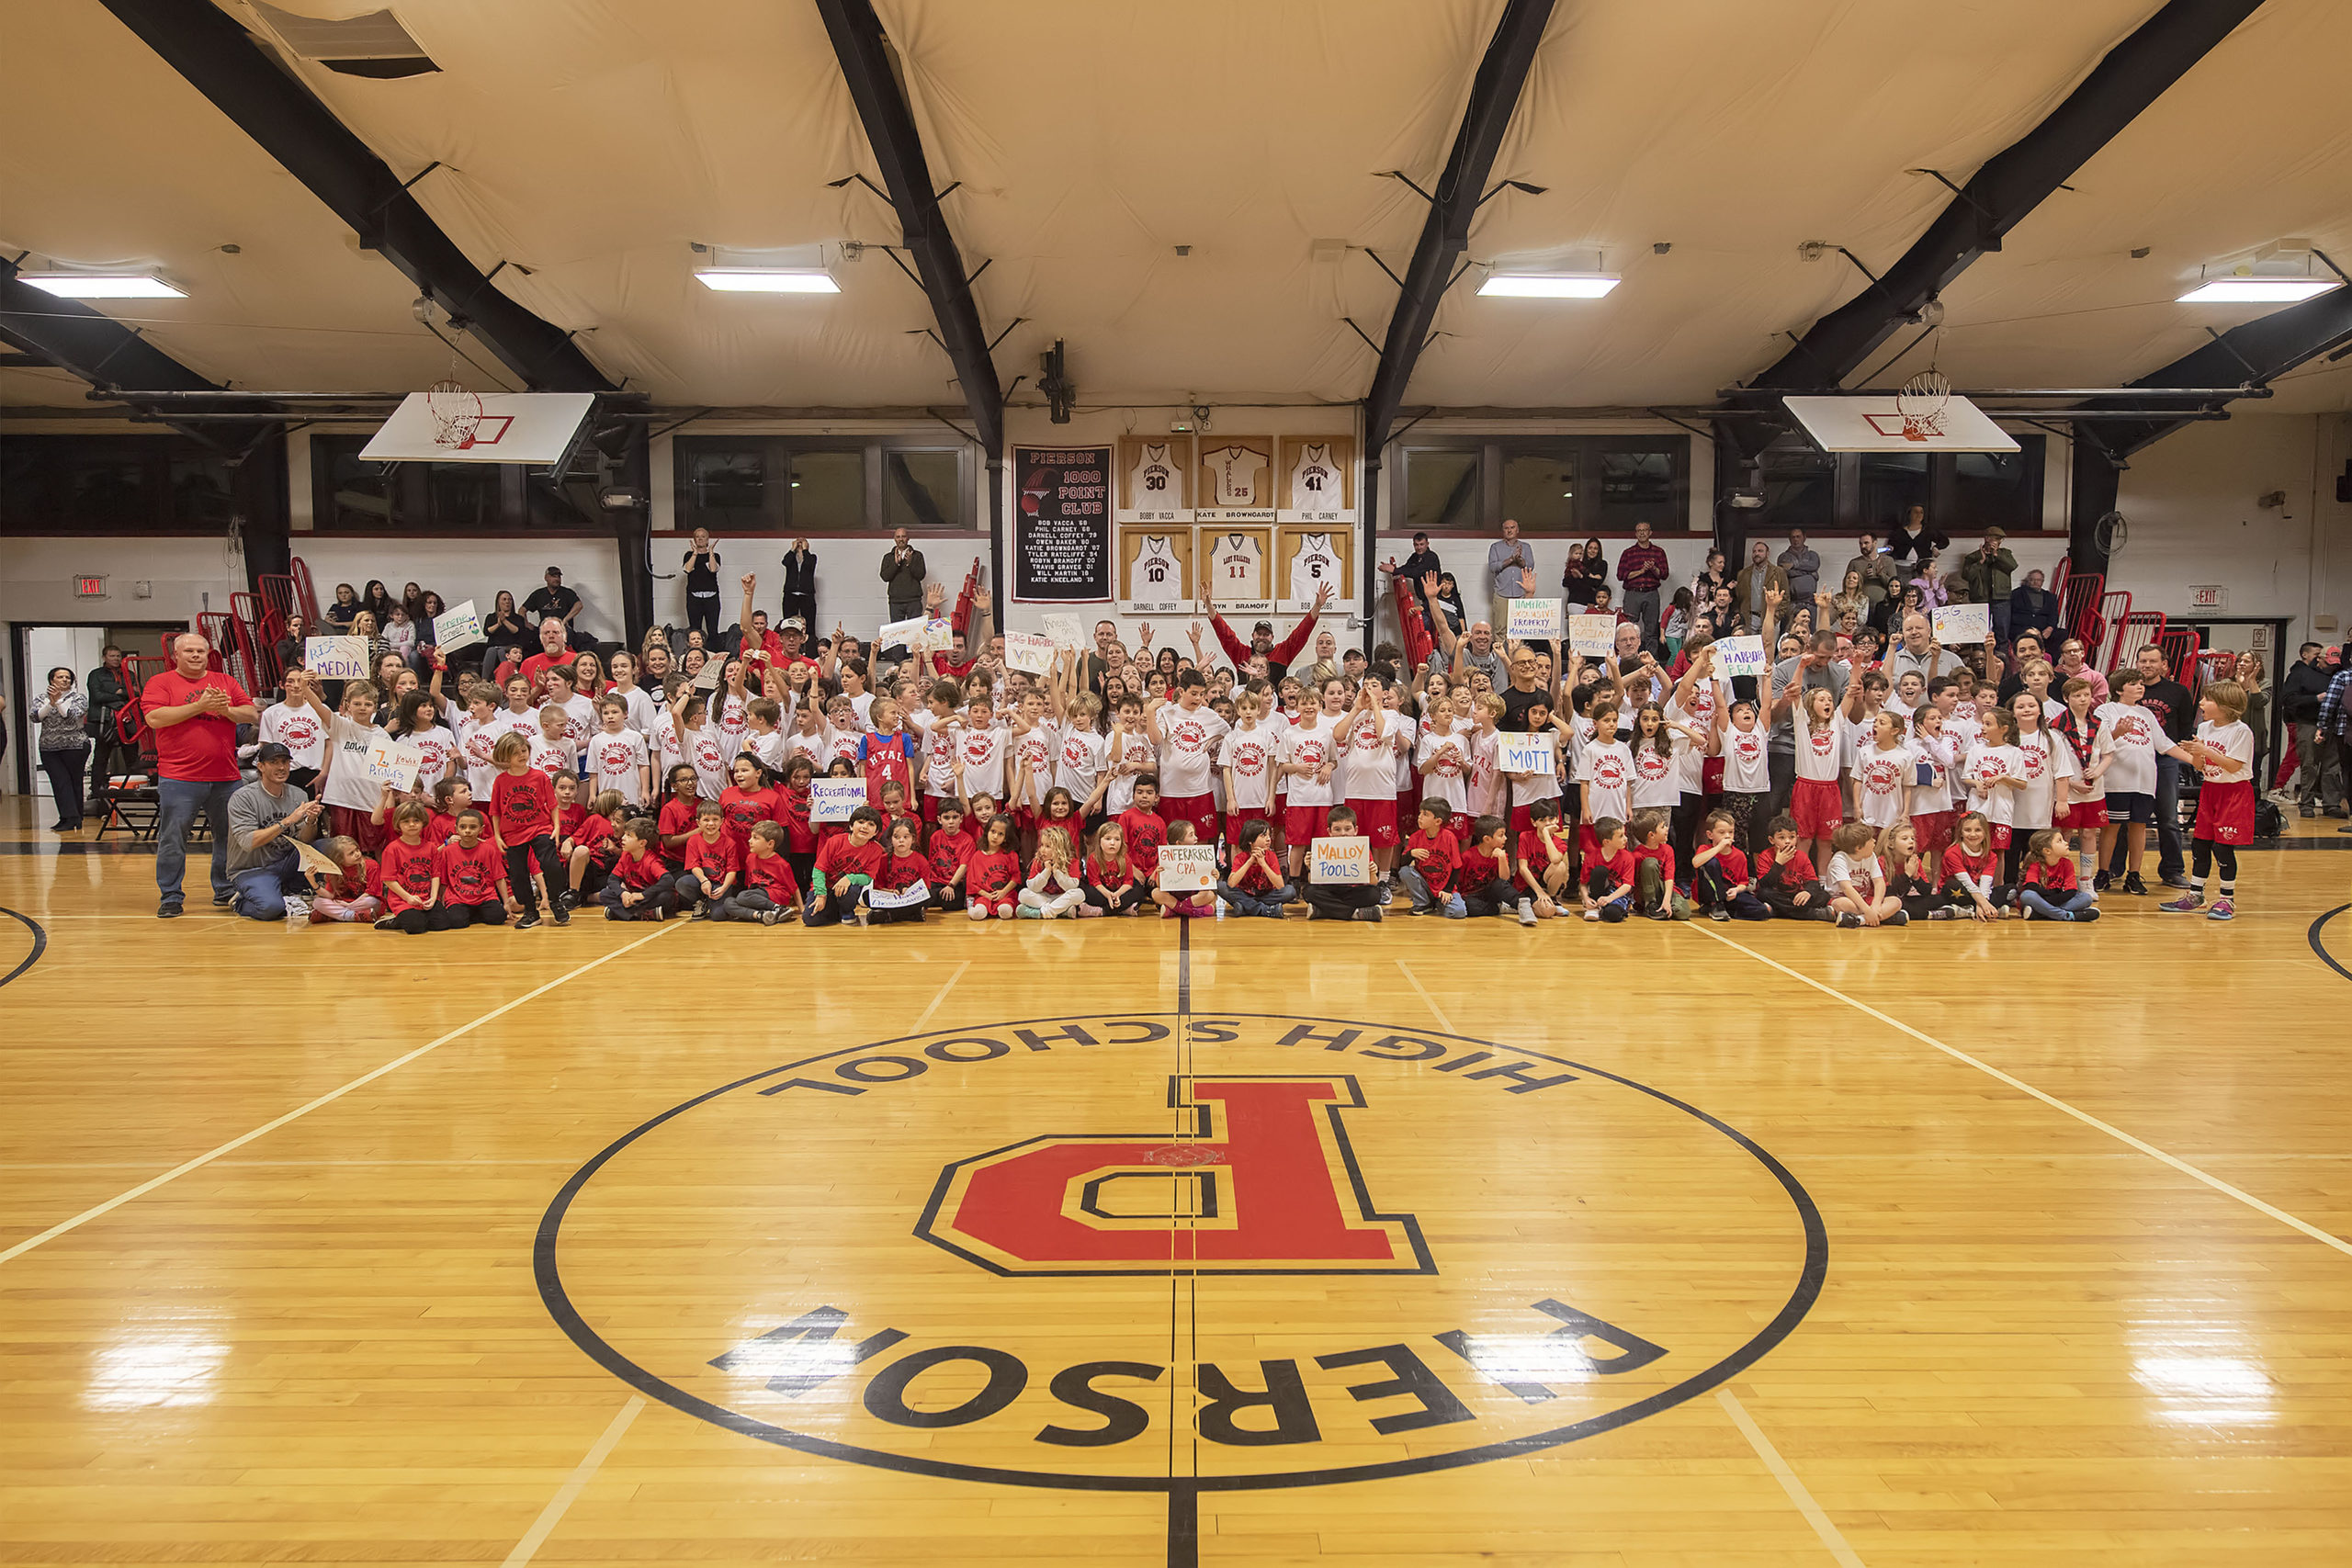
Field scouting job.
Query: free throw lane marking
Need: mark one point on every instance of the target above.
(2085, 1117)
(117, 1202)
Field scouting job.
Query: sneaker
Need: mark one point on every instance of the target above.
(1371, 916)
(222, 900)
(614, 912)
(1944, 912)
(1028, 912)
(388, 924)
(770, 917)
(708, 912)
(1527, 911)
(2102, 882)
(2134, 885)
(1849, 921)
(2222, 909)
(530, 918)
(562, 915)
(1661, 913)
(2025, 912)
(1387, 893)
(1900, 918)
(2089, 915)
(1088, 913)
(2187, 904)
(2178, 879)
(567, 899)
(169, 909)
(1719, 913)
(1593, 915)
(2307, 813)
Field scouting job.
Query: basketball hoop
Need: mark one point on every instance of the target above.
(456, 413)
(1921, 403)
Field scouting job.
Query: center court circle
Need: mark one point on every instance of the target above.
(1146, 1251)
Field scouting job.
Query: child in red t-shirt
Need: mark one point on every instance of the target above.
(992, 881)
(1431, 859)
(2050, 889)
(1144, 830)
(1484, 877)
(1972, 871)
(642, 886)
(905, 871)
(354, 894)
(674, 823)
(1653, 891)
(950, 855)
(522, 823)
(1110, 875)
(1188, 904)
(1785, 880)
(1719, 882)
(747, 802)
(714, 866)
(770, 893)
(408, 873)
(792, 807)
(1609, 875)
(846, 867)
(569, 810)
(591, 845)
(1547, 859)
(473, 878)
(1255, 885)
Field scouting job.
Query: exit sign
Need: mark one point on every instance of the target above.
(2207, 596)
(89, 587)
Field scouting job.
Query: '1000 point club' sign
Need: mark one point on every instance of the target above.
(1061, 523)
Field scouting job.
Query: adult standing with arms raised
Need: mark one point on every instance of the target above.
(194, 710)
(801, 582)
(1641, 569)
(62, 712)
(1510, 567)
(702, 586)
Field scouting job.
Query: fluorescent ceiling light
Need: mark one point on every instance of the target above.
(2256, 290)
(1548, 285)
(103, 285)
(768, 279)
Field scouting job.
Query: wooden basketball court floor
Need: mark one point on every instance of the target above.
(1433, 1243)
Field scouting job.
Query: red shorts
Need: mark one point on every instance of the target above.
(1200, 810)
(930, 804)
(2000, 836)
(1304, 824)
(1376, 820)
(2225, 811)
(1934, 828)
(2081, 813)
(360, 828)
(1816, 805)
(1236, 821)
(1521, 821)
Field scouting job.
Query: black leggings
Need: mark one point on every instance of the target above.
(411, 919)
(1750, 812)
(520, 857)
(1117, 903)
(2206, 853)
(65, 772)
(457, 917)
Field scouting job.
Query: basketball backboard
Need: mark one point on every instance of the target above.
(1880, 424)
(537, 429)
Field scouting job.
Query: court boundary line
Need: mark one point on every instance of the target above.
(575, 1484)
(87, 1216)
(40, 944)
(2085, 1117)
(2313, 935)
(951, 979)
(1426, 1001)
(1823, 1525)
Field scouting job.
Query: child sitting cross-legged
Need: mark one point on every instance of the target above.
(1431, 859)
(1255, 885)
(770, 893)
(1183, 905)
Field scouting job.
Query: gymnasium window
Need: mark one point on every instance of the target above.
(1441, 489)
(349, 495)
(1554, 485)
(784, 484)
(1997, 487)
(1540, 488)
(112, 484)
(1799, 490)
(1892, 482)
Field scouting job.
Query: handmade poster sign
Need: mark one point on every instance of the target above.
(393, 763)
(1592, 635)
(1534, 620)
(904, 898)
(1959, 625)
(1032, 653)
(314, 860)
(1525, 753)
(1064, 631)
(336, 657)
(913, 635)
(711, 675)
(833, 800)
(1739, 656)
(1187, 868)
(1339, 862)
(458, 629)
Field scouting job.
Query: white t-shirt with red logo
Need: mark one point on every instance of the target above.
(1607, 771)
(1657, 778)
(1748, 769)
(1367, 768)
(299, 730)
(982, 751)
(1188, 741)
(1138, 756)
(708, 752)
(1033, 756)
(2132, 735)
(1984, 764)
(1941, 754)
(1077, 762)
(2046, 758)
(1250, 754)
(617, 762)
(1818, 750)
(2232, 740)
(1485, 792)
(938, 751)
(1882, 784)
(1449, 779)
(1308, 747)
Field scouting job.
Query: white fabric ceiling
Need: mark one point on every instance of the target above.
(591, 141)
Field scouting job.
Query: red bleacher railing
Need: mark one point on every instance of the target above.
(2180, 646)
(306, 595)
(2134, 631)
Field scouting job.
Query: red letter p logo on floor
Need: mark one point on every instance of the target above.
(1263, 1182)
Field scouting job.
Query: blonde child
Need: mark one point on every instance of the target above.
(2222, 752)
(1856, 881)
(1054, 888)
(350, 896)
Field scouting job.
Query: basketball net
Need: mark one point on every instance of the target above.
(1921, 403)
(456, 413)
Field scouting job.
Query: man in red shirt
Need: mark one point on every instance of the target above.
(194, 710)
(1642, 568)
(1279, 655)
(552, 651)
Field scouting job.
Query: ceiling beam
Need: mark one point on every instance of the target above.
(2007, 187)
(246, 82)
(868, 64)
(1459, 190)
(87, 342)
(2258, 352)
